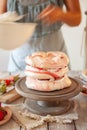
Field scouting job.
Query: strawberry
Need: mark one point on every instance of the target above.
(11, 80)
(4, 112)
(8, 82)
(1, 115)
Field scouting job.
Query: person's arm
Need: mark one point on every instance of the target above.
(3, 6)
(70, 16)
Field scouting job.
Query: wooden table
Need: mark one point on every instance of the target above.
(80, 124)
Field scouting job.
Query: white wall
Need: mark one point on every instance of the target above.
(73, 39)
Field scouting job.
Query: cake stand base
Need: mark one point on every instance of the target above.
(48, 108)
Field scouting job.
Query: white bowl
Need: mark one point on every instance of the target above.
(13, 34)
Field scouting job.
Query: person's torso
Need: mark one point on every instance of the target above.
(32, 8)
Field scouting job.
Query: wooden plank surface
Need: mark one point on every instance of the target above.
(43, 127)
(81, 124)
(11, 125)
(55, 126)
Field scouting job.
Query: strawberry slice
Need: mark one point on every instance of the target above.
(8, 82)
(1, 115)
(4, 112)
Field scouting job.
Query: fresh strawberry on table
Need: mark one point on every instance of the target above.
(6, 82)
(11, 80)
(2, 113)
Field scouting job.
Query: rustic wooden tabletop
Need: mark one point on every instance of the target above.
(80, 124)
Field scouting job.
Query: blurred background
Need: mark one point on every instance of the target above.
(74, 38)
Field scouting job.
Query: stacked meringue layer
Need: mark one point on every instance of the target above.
(47, 71)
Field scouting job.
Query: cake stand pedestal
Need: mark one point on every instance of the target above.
(44, 103)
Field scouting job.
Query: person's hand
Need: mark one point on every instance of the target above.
(50, 14)
(3, 6)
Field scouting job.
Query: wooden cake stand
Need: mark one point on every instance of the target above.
(53, 103)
